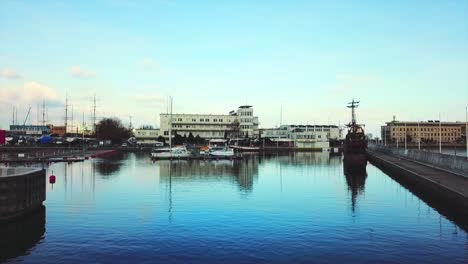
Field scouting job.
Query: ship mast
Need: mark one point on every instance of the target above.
(353, 105)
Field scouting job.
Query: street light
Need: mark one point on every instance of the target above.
(440, 135)
(466, 131)
(406, 134)
(419, 136)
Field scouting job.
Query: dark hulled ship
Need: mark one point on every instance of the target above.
(355, 144)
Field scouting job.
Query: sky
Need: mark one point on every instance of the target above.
(407, 59)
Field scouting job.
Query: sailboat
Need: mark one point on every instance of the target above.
(171, 152)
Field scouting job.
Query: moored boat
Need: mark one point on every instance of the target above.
(170, 153)
(355, 144)
(217, 148)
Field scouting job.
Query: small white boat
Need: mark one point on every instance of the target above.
(245, 148)
(221, 152)
(168, 153)
(218, 148)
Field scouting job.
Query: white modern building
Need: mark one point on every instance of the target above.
(303, 136)
(146, 136)
(209, 126)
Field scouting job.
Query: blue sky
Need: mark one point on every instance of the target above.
(403, 58)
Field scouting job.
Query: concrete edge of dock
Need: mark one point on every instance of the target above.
(418, 181)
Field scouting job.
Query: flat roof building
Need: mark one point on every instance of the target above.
(30, 129)
(431, 131)
(240, 123)
(146, 136)
(303, 136)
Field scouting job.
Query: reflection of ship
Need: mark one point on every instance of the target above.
(356, 181)
(355, 144)
(19, 236)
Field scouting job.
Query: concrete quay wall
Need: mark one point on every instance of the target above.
(443, 197)
(452, 163)
(21, 191)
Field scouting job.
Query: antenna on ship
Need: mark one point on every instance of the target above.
(353, 105)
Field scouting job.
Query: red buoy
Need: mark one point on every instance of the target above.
(52, 179)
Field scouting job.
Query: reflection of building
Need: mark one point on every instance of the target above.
(244, 171)
(303, 158)
(146, 136)
(430, 131)
(211, 126)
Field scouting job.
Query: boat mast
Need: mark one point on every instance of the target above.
(170, 123)
(353, 105)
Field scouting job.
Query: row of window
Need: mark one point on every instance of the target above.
(429, 134)
(308, 136)
(139, 133)
(246, 113)
(213, 133)
(201, 120)
(199, 126)
(426, 129)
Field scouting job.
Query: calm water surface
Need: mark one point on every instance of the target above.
(296, 208)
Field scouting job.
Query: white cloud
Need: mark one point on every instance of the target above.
(81, 73)
(10, 74)
(31, 92)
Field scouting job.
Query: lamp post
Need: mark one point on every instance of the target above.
(440, 135)
(419, 137)
(406, 134)
(466, 131)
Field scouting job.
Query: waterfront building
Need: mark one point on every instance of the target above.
(58, 130)
(303, 136)
(431, 131)
(36, 130)
(146, 136)
(240, 123)
(303, 131)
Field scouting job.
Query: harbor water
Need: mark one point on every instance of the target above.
(275, 208)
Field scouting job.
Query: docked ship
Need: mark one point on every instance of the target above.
(355, 143)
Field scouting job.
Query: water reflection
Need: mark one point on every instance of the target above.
(356, 181)
(301, 158)
(18, 237)
(244, 172)
(108, 166)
